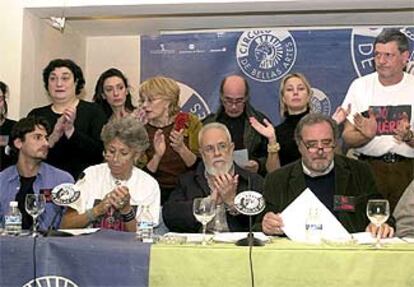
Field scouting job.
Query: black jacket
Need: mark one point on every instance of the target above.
(177, 212)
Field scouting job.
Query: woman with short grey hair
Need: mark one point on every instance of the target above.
(111, 192)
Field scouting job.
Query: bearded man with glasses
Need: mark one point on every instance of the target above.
(217, 177)
(342, 184)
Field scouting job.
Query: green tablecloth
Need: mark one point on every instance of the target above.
(281, 263)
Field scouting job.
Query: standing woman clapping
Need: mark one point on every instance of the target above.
(75, 141)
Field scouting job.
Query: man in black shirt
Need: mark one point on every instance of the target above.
(234, 112)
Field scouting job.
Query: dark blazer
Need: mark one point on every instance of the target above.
(177, 212)
(353, 178)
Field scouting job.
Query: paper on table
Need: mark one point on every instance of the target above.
(408, 239)
(241, 157)
(80, 231)
(235, 236)
(190, 237)
(294, 219)
(367, 238)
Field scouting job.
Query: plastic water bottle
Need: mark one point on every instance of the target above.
(13, 220)
(145, 228)
(313, 226)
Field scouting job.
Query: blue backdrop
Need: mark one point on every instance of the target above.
(329, 58)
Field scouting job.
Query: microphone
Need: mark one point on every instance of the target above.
(62, 195)
(249, 203)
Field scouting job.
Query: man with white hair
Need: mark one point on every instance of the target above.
(217, 177)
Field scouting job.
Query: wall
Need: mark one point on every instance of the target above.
(120, 52)
(42, 43)
(11, 23)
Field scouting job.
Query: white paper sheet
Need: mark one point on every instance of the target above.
(80, 231)
(367, 238)
(241, 157)
(294, 219)
(190, 237)
(408, 239)
(235, 236)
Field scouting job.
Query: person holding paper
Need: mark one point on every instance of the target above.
(234, 112)
(380, 128)
(218, 177)
(31, 175)
(342, 184)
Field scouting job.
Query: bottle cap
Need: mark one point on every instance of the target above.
(13, 204)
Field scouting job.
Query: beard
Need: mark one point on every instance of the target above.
(224, 168)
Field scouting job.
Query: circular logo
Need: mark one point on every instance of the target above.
(362, 48)
(191, 101)
(266, 55)
(50, 281)
(249, 202)
(320, 103)
(65, 194)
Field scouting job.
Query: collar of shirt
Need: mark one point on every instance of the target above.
(310, 173)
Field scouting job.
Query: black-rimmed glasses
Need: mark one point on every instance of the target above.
(314, 147)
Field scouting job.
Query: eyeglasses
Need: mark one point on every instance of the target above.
(117, 155)
(229, 101)
(314, 146)
(211, 149)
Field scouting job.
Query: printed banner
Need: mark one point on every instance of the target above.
(330, 58)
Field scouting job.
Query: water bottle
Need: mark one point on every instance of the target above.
(13, 220)
(145, 226)
(313, 226)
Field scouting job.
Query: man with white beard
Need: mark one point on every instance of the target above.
(217, 177)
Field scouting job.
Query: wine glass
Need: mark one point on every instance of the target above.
(204, 210)
(35, 205)
(378, 211)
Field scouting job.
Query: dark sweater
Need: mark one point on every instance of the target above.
(84, 148)
(285, 136)
(5, 132)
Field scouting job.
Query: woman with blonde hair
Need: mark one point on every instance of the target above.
(295, 93)
(173, 134)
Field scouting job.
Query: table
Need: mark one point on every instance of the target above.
(106, 258)
(109, 258)
(282, 263)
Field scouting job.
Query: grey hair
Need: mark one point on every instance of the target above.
(315, 118)
(389, 35)
(214, 125)
(128, 130)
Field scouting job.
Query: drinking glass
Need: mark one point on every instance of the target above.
(204, 210)
(378, 211)
(35, 205)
